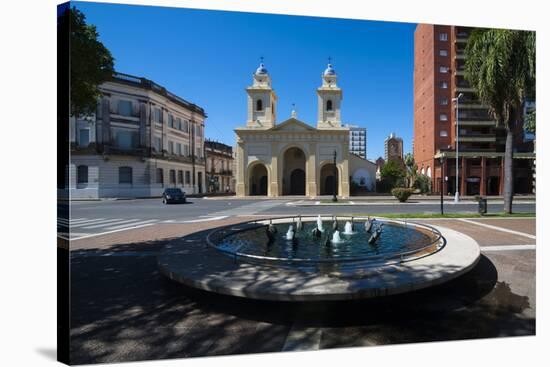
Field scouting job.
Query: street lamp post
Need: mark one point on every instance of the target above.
(441, 161)
(457, 100)
(334, 198)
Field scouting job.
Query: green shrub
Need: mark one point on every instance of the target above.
(423, 183)
(402, 194)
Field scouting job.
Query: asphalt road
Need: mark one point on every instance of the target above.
(92, 218)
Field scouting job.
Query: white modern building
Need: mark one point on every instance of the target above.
(358, 140)
(141, 140)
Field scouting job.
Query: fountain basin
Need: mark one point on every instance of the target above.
(203, 264)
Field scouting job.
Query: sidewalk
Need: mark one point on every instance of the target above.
(375, 198)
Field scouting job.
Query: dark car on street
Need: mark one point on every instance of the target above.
(173, 195)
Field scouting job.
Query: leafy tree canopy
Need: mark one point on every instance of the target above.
(500, 66)
(91, 63)
(392, 172)
(531, 122)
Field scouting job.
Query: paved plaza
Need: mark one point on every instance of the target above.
(124, 309)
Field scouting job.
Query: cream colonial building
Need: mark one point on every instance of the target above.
(292, 157)
(141, 140)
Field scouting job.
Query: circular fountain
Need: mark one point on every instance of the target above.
(276, 259)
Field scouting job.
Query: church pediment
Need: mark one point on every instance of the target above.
(293, 124)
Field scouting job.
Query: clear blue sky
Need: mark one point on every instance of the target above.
(208, 58)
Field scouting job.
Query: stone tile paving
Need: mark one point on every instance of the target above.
(528, 226)
(123, 309)
(484, 236)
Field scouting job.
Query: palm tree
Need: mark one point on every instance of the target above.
(500, 66)
(412, 169)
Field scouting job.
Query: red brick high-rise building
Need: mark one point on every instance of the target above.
(438, 80)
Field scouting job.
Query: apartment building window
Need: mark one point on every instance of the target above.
(82, 174)
(84, 137)
(180, 177)
(158, 144)
(186, 126)
(157, 115)
(442, 117)
(178, 148)
(126, 139)
(186, 150)
(125, 108)
(443, 36)
(173, 176)
(443, 133)
(125, 175)
(187, 177)
(443, 53)
(170, 120)
(178, 123)
(443, 69)
(171, 147)
(443, 85)
(160, 176)
(443, 101)
(199, 153)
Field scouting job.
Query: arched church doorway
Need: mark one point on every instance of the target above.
(298, 182)
(328, 181)
(294, 172)
(257, 182)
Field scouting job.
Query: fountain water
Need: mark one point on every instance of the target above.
(290, 233)
(320, 224)
(336, 237)
(348, 228)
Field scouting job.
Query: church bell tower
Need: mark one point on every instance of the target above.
(329, 98)
(261, 100)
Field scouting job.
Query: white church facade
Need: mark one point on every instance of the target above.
(292, 157)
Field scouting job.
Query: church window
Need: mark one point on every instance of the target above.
(329, 105)
(259, 105)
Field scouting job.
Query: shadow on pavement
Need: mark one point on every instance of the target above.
(123, 309)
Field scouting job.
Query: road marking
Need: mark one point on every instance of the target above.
(82, 224)
(498, 228)
(508, 248)
(132, 224)
(111, 223)
(79, 220)
(196, 220)
(113, 231)
(302, 338)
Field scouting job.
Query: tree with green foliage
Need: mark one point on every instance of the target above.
(91, 63)
(500, 66)
(422, 183)
(531, 122)
(393, 174)
(412, 169)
